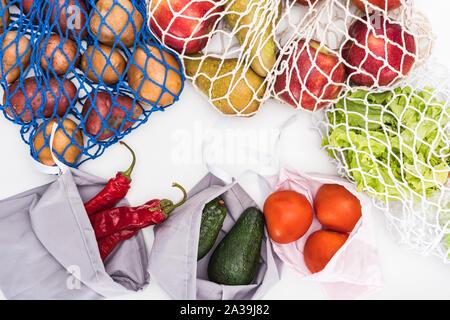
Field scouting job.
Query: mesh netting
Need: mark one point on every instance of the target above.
(91, 68)
(387, 120)
(395, 145)
(305, 53)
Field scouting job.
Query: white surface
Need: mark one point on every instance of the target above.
(168, 149)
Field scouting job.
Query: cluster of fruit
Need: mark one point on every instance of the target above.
(376, 51)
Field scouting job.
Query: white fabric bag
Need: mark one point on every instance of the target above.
(355, 270)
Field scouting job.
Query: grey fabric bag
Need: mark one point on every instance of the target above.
(48, 248)
(173, 258)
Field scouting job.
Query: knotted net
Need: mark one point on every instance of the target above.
(240, 53)
(90, 68)
(385, 116)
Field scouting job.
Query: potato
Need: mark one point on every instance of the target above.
(61, 60)
(5, 17)
(16, 50)
(64, 142)
(155, 71)
(26, 6)
(106, 64)
(116, 21)
(114, 118)
(53, 91)
(72, 18)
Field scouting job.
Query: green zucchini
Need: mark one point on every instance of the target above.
(213, 215)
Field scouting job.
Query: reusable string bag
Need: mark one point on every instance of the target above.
(252, 50)
(395, 145)
(94, 103)
(354, 271)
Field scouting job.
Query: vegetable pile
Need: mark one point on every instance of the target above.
(235, 259)
(289, 216)
(240, 53)
(394, 144)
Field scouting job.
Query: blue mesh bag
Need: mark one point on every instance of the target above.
(79, 75)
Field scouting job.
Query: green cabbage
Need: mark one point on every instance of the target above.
(393, 144)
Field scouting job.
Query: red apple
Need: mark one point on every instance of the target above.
(307, 3)
(188, 31)
(313, 76)
(380, 54)
(382, 4)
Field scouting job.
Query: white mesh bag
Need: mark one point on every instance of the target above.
(395, 145)
(240, 53)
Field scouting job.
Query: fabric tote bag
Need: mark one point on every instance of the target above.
(48, 248)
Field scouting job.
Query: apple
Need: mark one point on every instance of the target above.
(380, 54)
(307, 2)
(184, 25)
(313, 75)
(382, 4)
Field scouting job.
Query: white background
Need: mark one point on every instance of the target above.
(158, 143)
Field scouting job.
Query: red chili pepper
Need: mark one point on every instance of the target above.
(107, 244)
(116, 189)
(112, 222)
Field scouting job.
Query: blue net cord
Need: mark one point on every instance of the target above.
(53, 88)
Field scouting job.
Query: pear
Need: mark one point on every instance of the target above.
(255, 31)
(231, 89)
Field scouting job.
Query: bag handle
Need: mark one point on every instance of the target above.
(58, 169)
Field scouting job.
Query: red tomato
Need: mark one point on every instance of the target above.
(337, 208)
(288, 216)
(320, 247)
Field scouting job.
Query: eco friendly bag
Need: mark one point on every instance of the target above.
(48, 248)
(250, 47)
(80, 93)
(395, 146)
(355, 270)
(173, 258)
